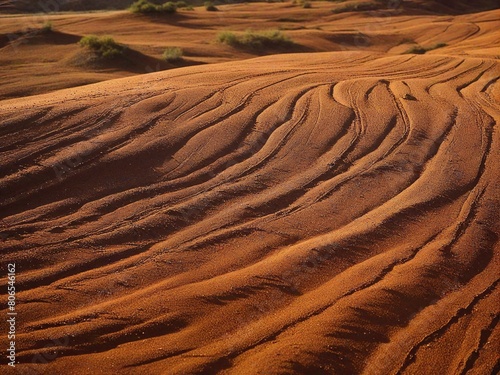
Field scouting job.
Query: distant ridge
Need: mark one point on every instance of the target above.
(35, 6)
(46, 6)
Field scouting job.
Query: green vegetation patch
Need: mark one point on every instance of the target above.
(104, 46)
(146, 7)
(211, 7)
(356, 7)
(173, 54)
(47, 27)
(255, 39)
(419, 50)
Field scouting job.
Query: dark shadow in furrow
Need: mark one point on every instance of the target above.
(74, 269)
(244, 292)
(47, 178)
(439, 82)
(491, 82)
(105, 338)
(158, 358)
(468, 83)
(13, 124)
(43, 181)
(63, 141)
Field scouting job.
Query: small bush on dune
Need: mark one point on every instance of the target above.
(173, 54)
(168, 7)
(210, 6)
(181, 4)
(46, 27)
(264, 39)
(303, 3)
(227, 37)
(145, 7)
(357, 7)
(255, 39)
(104, 46)
(419, 50)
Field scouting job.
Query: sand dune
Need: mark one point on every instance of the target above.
(36, 62)
(321, 213)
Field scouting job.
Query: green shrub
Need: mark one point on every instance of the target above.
(104, 46)
(255, 39)
(145, 7)
(181, 4)
(357, 7)
(173, 54)
(46, 27)
(168, 7)
(306, 5)
(227, 37)
(418, 49)
(210, 6)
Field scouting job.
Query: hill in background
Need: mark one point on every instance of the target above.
(46, 6)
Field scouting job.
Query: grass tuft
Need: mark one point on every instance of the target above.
(255, 39)
(104, 46)
(356, 7)
(419, 50)
(173, 54)
(211, 7)
(47, 27)
(146, 7)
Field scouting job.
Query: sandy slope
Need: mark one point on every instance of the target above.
(323, 213)
(34, 63)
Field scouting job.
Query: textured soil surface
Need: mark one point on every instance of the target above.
(306, 213)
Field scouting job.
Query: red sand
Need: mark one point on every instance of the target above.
(319, 213)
